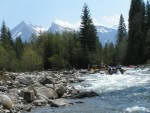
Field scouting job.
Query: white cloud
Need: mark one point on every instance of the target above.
(111, 20)
(67, 24)
(108, 21)
(96, 22)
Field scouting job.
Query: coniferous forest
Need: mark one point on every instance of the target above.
(79, 49)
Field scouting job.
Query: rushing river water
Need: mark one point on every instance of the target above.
(128, 93)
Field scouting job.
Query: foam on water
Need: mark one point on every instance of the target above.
(103, 83)
(137, 109)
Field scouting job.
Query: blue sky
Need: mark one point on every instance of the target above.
(44, 12)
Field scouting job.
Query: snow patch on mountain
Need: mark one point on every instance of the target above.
(106, 34)
(59, 28)
(25, 30)
(66, 24)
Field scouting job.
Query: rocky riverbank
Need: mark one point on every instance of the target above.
(26, 91)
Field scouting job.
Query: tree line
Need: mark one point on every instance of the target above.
(80, 48)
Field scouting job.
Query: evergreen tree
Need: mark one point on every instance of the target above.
(147, 41)
(109, 53)
(4, 34)
(44, 45)
(88, 38)
(121, 41)
(6, 37)
(147, 47)
(88, 33)
(121, 52)
(9, 62)
(136, 33)
(147, 16)
(19, 47)
(122, 32)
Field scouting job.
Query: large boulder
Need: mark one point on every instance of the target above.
(5, 101)
(44, 81)
(48, 92)
(26, 81)
(29, 96)
(86, 94)
(60, 90)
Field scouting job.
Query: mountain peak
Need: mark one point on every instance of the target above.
(25, 30)
(55, 27)
(25, 22)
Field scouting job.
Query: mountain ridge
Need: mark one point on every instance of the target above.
(26, 29)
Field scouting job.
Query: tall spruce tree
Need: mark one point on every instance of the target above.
(7, 43)
(136, 33)
(88, 33)
(147, 47)
(147, 31)
(147, 16)
(6, 38)
(19, 47)
(121, 41)
(4, 34)
(122, 32)
(88, 37)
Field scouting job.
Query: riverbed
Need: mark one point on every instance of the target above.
(127, 93)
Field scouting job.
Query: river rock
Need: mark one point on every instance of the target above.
(49, 86)
(83, 71)
(3, 88)
(29, 96)
(54, 103)
(48, 92)
(73, 91)
(27, 107)
(40, 102)
(60, 90)
(12, 76)
(71, 80)
(44, 81)
(67, 72)
(5, 101)
(41, 97)
(86, 94)
(26, 81)
(1, 83)
(9, 83)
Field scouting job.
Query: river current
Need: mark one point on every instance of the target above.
(127, 93)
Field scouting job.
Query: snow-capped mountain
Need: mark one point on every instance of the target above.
(106, 34)
(25, 30)
(58, 28)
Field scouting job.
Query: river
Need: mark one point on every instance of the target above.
(127, 93)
